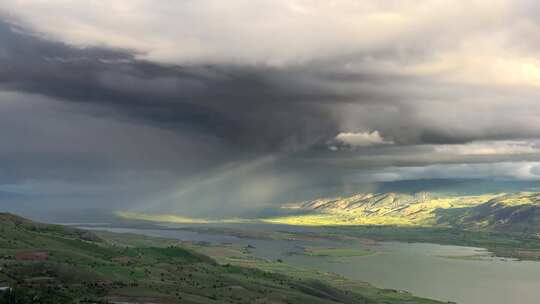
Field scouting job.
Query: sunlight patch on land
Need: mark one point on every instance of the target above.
(388, 209)
(170, 218)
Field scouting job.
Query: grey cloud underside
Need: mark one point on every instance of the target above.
(262, 108)
(254, 108)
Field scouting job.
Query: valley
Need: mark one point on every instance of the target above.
(44, 263)
(507, 224)
(461, 274)
(320, 251)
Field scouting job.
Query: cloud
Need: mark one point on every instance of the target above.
(272, 108)
(237, 31)
(59, 154)
(489, 148)
(239, 105)
(362, 139)
(411, 38)
(496, 170)
(140, 96)
(535, 170)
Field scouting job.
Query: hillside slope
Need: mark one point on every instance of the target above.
(519, 212)
(57, 264)
(511, 213)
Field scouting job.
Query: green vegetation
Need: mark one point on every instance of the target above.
(56, 264)
(33, 295)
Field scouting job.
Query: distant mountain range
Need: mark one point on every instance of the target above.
(505, 212)
(517, 212)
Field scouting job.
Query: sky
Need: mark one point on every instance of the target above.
(222, 107)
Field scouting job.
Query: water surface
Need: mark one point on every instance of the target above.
(423, 269)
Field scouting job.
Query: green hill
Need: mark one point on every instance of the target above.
(55, 264)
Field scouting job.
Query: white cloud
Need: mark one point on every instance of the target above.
(412, 38)
(505, 147)
(265, 31)
(362, 139)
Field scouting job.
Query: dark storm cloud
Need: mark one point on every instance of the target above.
(265, 108)
(251, 107)
(47, 139)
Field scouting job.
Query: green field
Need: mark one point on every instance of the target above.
(56, 264)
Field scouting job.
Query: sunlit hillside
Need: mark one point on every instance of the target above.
(514, 211)
(517, 212)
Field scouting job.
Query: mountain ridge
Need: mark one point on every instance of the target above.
(497, 211)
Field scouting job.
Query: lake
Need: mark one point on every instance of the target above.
(426, 270)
